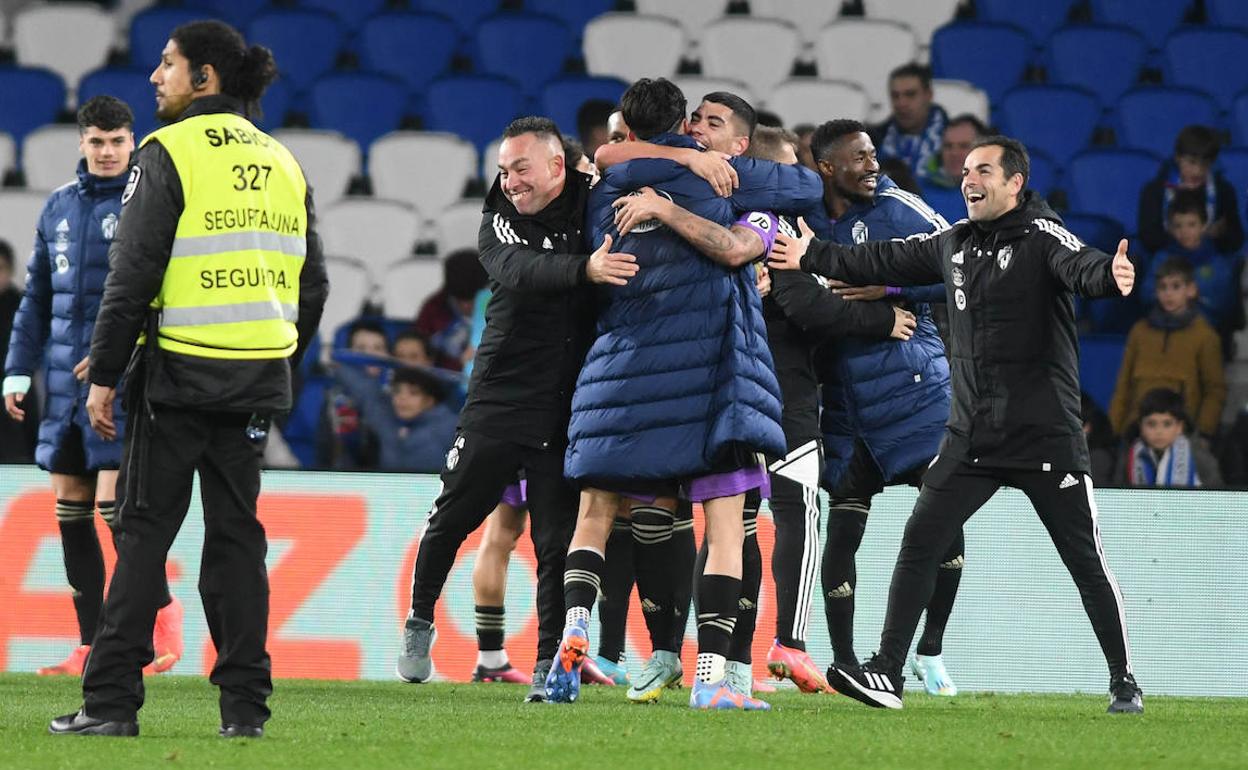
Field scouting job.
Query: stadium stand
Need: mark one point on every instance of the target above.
(476, 107)
(29, 98)
(811, 100)
(397, 159)
(1098, 180)
(1056, 120)
(329, 160)
(757, 52)
(406, 285)
(290, 32)
(959, 97)
(1040, 20)
(362, 105)
(923, 18)
(1233, 162)
(465, 13)
(1211, 60)
(17, 225)
(694, 16)
(352, 288)
(149, 31)
(1149, 118)
(631, 46)
(351, 14)
(1154, 19)
(807, 17)
(528, 48)
(1045, 173)
(560, 99)
(8, 155)
(129, 84)
(71, 39)
(1227, 13)
(1103, 59)
(236, 12)
(865, 51)
(48, 156)
(414, 47)
(1094, 230)
(959, 51)
(373, 231)
(458, 226)
(574, 15)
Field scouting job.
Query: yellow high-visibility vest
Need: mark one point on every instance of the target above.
(232, 286)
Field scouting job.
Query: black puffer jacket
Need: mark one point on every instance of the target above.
(1013, 347)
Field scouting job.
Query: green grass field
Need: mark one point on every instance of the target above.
(381, 724)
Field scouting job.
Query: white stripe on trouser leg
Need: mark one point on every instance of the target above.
(810, 563)
(1109, 575)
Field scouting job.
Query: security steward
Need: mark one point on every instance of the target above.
(217, 264)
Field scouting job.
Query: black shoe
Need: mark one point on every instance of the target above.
(81, 724)
(869, 683)
(1125, 696)
(241, 731)
(537, 693)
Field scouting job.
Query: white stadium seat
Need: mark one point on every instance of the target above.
(407, 284)
(458, 226)
(758, 52)
(50, 156)
(19, 214)
(376, 232)
(70, 39)
(923, 17)
(349, 286)
(426, 169)
(632, 46)
(864, 52)
(809, 16)
(8, 154)
(692, 15)
(812, 100)
(329, 160)
(489, 162)
(696, 86)
(959, 97)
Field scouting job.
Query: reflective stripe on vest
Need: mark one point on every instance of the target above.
(231, 289)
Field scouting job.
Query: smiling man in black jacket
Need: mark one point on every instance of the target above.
(1010, 273)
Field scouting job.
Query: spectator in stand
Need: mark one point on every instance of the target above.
(805, 132)
(574, 157)
(1195, 150)
(591, 124)
(446, 318)
(1216, 274)
(941, 187)
(1163, 455)
(410, 424)
(349, 446)
(913, 132)
(1173, 347)
(1102, 444)
(411, 348)
(17, 439)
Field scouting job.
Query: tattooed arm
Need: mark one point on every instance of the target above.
(729, 247)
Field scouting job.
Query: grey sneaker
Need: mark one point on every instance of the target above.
(661, 671)
(1125, 696)
(740, 676)
(537, 693)
(415, 663)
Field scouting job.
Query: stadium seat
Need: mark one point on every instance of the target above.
(406, 285)
(1233, 163)
(630, 46)
(1058, 120)
(276, 104)
(1040, 19)
(561, 99)
(865, 51)
(1095, 230)
(458, 226)
(236, 12)
(1108, 183)
(1100, 356)
(131, 86)
(1044, 173)
(960, 50)
(427, 170)
(812, 100)
(923, 17)
(465, 13)
(70, 39)
(50, 155)
(959, 97)
(1211, 60)
(489, 161)
(149, 31)
(8, 154)
(329, 160)
(529, 48)
(373, 231)
(352, 14)
(304, 43)
(362, 105)
(806, 16)
(758, 52)
(29, 97)
(1150, 118)
(352, 286)
(694, 87)
(477, 107)
(1105, 60)
(1228, 13)
(574, 15)
(1239, 120)
(414, 47)
(1154, 19)
(21, 214)
(693, 15)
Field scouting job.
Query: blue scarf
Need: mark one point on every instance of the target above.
(1172, 186)
(1175, 468)
(915, 149)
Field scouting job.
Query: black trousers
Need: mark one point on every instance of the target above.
(477, 471)
(233, 580)
(795, 557)
(953, 490)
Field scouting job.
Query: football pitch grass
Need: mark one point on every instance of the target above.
(388, 724)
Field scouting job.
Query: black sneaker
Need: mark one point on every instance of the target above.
(537, 693)
(1125, 696)
(869, 683)
(507, 673)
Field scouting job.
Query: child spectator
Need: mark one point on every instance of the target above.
(1191, 168)
(411, 348)
(1173, 347)
(350, 447)
(410, 424)
(446, 317)
(1215, 274)
(1163, 456)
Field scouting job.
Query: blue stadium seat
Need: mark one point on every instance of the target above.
(362, 105)
(414, 47)
(1209, 59)
(1095, 230)
(278, 100)
(304, 43)
(236, 12)
(1150, 118)
(1103, 59)
(527, 47)
(961, 50)
(352, 14)
(1039, 19)
(130, 84)
(1233, 162)
(1227, 13)
(1100, 356)
(29, 97)
(1154, 19)
(1057, 120)
(575, 15)
(149, 31)
(1045, 173)
(302, 427)
(1239, 119)
(1108, 183)
(562, 98)
(477, 107)
(465, 13)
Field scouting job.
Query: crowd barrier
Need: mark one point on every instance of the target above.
(342, 547)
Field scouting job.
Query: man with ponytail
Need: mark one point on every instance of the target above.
(214, 363)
